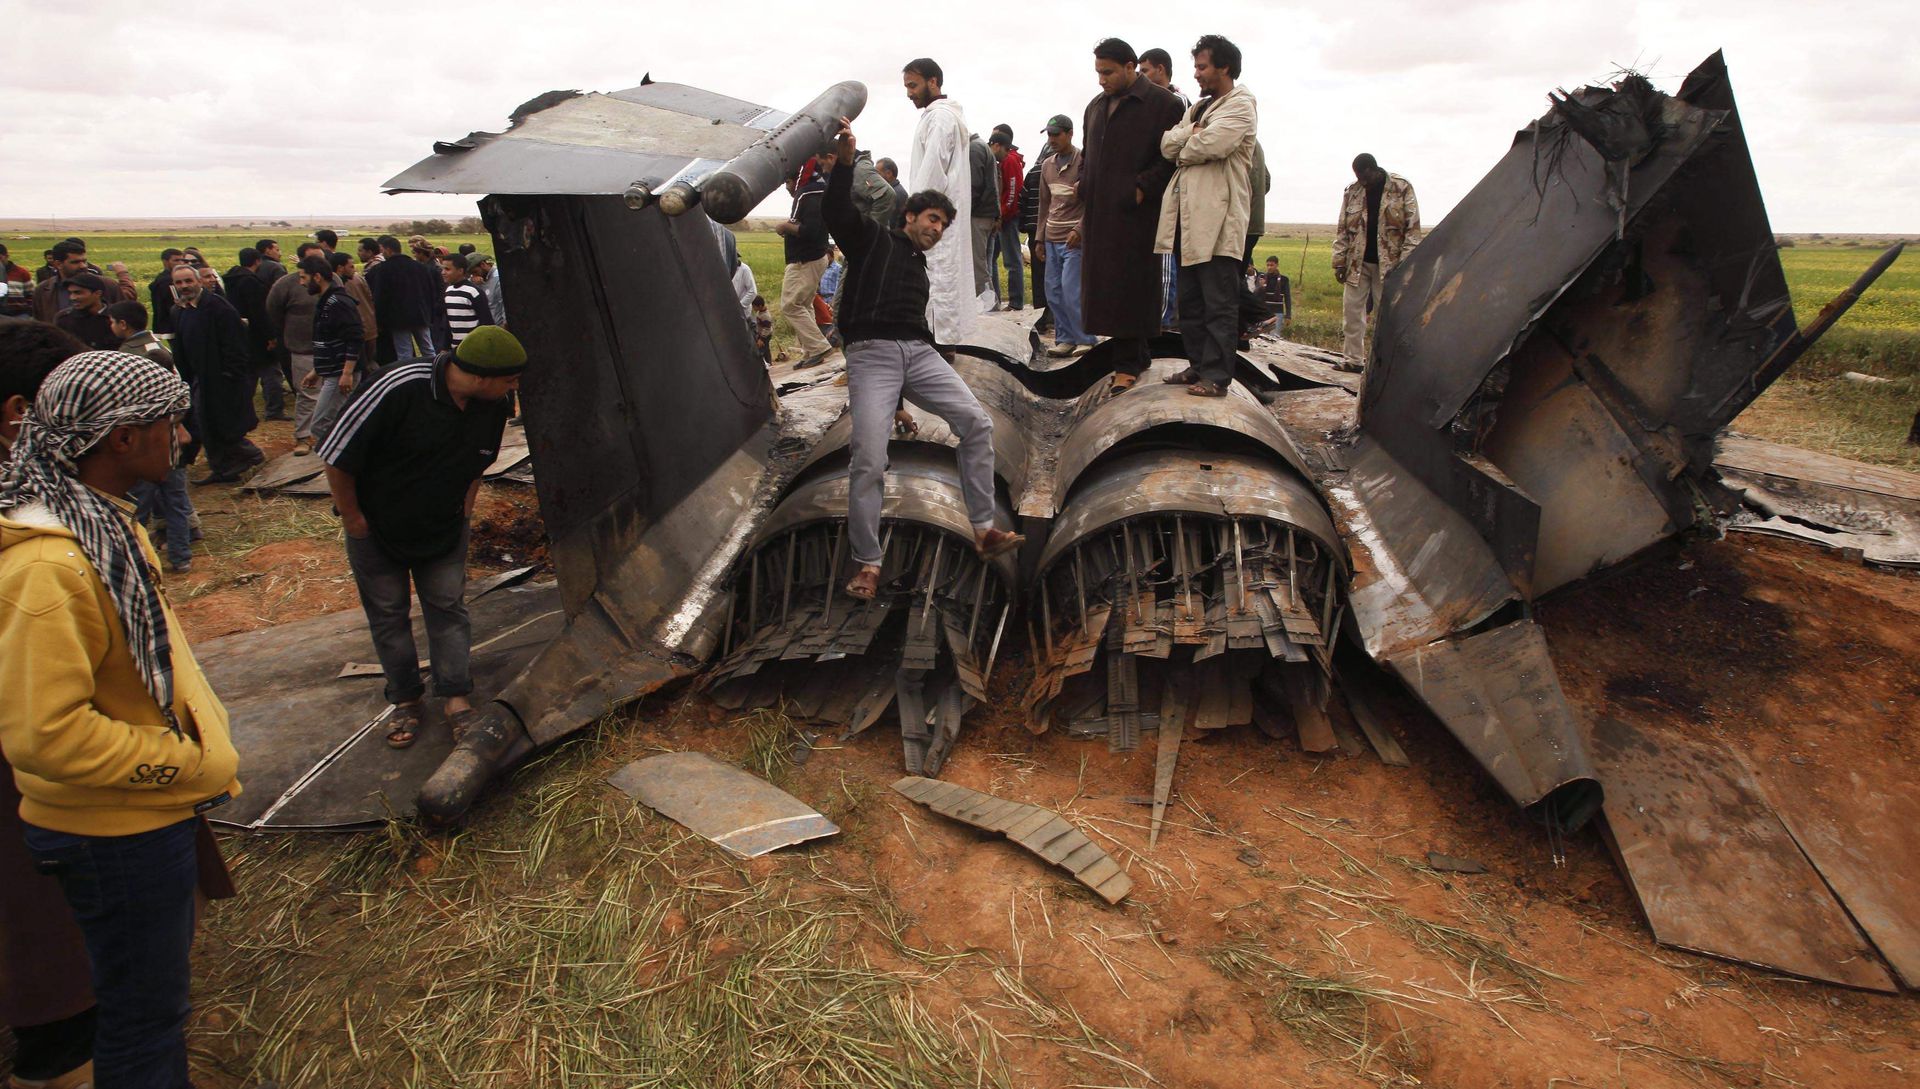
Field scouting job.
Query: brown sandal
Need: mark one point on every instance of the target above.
(1182, 378)
(1206, 389)
(1123, 382)
(462, 721)
(997, 541)
(404, 728)
(864, 584)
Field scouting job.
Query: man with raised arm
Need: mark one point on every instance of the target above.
(890, 353)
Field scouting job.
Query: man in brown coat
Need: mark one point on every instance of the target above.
(1120, 189)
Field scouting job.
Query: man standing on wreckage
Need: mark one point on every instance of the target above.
(941, 164)
(890, 353)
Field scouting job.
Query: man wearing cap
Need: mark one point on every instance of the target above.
(1006, 237)
(117, 742)
(1121, 183)
(86, 316)
(404, 463)
(486, 275)
(1059, 233)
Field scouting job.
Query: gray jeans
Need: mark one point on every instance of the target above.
(441, 585)
(879, 372)
(303, 398)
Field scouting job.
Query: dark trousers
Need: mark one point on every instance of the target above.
(1007, 249)
(1209, 317)
(168, 499)
(441, 585)
(133, 899)
(267, 377)
(1131, 355)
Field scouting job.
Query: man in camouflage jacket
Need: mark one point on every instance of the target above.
(1379, 223)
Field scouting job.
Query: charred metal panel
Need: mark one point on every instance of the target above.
(1578, 327)
(1823, 499)
(611, 454)
(1714, 868)
(1498, 693)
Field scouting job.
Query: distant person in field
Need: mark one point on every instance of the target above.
(890, 170)
(404, 464)
(1005, 249)
(69, 257)
(290, 313)
(423, 251)
(1203, 220)
(210, 344)
(891, 354)
(406, 297)
(339, 341)
(487, 275)
(1030, 228)
(873, 193)
(984, 170)
(1276, 294)
(1157, 65)
(465, 304)
(1058, 215)
(805, 232)
(762, 330)
(160, 293)
(45, 996)
(247, 291)
(167, 499)
(356, 285)
(17, 281)
(327, 239)
(86, 316)
(369, 254)
(1122, 180)
(270, 269)
(117, 743)
(1379, 223)
(210, 280)
(942, 162)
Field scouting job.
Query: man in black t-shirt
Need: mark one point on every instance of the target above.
(404, 464)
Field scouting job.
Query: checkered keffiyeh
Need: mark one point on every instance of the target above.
(78, 405)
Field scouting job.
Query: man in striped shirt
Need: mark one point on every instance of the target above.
(466, 305)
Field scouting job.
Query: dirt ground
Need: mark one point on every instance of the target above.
(1287, 929)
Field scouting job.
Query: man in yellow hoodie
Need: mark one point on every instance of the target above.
(116, 740)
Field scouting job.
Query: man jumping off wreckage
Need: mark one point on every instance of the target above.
(890, 351)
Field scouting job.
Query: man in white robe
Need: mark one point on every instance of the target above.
(940, 162)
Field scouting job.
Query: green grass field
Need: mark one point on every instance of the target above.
(1809, 407)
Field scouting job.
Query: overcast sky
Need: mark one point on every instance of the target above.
(222, 109)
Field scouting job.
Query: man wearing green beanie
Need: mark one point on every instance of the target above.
(404, 462)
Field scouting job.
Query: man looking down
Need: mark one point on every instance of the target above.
(890, 353)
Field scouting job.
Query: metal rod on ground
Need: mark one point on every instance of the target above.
(994, 650)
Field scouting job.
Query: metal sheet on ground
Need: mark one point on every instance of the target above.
(1714, 868)
(290, 712)
(286, 469)
(1823, 499)
(1857, 828)
(740, 812)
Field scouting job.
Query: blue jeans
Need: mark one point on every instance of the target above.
(133, 899)
(1063, 294)
(1008, 249)
(168, 499)
(403, 347)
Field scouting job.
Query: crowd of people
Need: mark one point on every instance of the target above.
(1146, 226)
(400, 378)
(395, 367)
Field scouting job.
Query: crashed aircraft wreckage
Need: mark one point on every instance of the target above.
(1551, 368)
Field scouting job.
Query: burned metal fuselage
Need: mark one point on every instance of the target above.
(1549, 369)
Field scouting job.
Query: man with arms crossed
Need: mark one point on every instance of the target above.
(890, 353)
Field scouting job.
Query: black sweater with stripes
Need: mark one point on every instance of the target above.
(884, 295)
